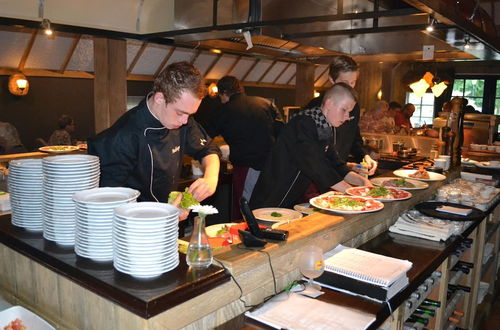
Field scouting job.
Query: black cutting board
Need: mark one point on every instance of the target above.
(429, 208)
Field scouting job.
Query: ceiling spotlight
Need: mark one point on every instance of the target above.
(430, 27)
(467, 42)
(46, 27)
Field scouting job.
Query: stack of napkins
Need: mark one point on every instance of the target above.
(424, 227)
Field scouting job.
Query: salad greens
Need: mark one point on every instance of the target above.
(378, 192)
(276, 214)
(186, 201)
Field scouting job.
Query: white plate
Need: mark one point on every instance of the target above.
(487, 165)
(305, 208)
(71, 159)
(106, 195)
(264, 214)
(379, 205)
(363, 192)
(433, 176)
(30, 319)
(213, 229)
(146, 211)
(418, 184)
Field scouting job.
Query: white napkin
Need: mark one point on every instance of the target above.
(453, 210)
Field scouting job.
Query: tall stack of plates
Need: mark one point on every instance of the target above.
(62, 177)
(25, 187)
(94, 210)
(145, 239)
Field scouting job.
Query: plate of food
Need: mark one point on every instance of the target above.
(58, 149)
(275, 214)
(384, 194)
(346, 204)
(82, 146)
(420, 174)
(305, 208)
(493, 164)
(222, 235)
(400, 183)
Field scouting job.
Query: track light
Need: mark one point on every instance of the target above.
(430, 27)
(46, 27)
(467, 42)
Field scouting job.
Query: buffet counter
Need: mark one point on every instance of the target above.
(76, 293)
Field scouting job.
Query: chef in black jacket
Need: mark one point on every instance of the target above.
(143, 149)
(305, 153)
(344, 69)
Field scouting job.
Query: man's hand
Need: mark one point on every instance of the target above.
(203, 188)
(372, 164)
(183, 213)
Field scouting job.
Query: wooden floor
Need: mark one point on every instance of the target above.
(493, 322)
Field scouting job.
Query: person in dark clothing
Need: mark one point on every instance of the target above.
(143, 150)
(208, 108)
(344, 69)
(247, 125)
(305, 153)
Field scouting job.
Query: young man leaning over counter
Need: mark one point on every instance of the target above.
(143, 149)
(344, 69)
(305, 153)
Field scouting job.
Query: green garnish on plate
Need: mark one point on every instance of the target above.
(378, 192)
(276, 214)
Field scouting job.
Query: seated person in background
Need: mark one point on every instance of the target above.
(10, 143)
(394, 107)
(470, 109)
(377, 120)
(62, 136)
(402, 119)
(305, 153)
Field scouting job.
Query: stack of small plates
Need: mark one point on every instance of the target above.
(63, 176)
(25, 187)
(94, 210)
(145, 239)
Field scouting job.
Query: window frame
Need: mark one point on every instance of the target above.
(489, 92)
(418, 107)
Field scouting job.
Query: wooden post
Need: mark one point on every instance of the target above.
(110, 81)
(304, 83)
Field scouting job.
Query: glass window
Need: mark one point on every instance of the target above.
(424, 109)
(471, 89)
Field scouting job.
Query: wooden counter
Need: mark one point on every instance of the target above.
(56, 283)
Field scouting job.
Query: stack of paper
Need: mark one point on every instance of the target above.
(423, 227)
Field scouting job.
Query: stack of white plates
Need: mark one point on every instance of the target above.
(94, 210)
(145, 239)
(25, 188)
(62, 177)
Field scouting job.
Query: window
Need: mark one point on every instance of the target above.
(471, 89)
(497, 99)
(424, 109)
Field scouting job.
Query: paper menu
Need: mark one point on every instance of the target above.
(366, 266)
(294, 311)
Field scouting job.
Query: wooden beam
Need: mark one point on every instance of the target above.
(254, 84)
(250, 70)
(304, 83)
(267, 71)
(214, 62)
(281, 73)
(195, 56)
(321, 75)
(228, 72)
(47, 73)
(291, 78)
(165, 60)
(412, 57)
(27, 51)
(70, 53)
(137, 57)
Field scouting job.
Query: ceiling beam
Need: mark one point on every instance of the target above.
(195, 56)
(211, 66)
(250, 69)
(267, 71)
(291, 78)
(27, 51)
(137, 57)
(70, 53)
(397, 28)
(321, 75)
(164, 61)
(48, 73)
(228, 72)
(281, 73)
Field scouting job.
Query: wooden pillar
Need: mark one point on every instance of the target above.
(110, 81)
(304, 83)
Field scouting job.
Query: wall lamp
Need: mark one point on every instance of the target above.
(18, 84)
